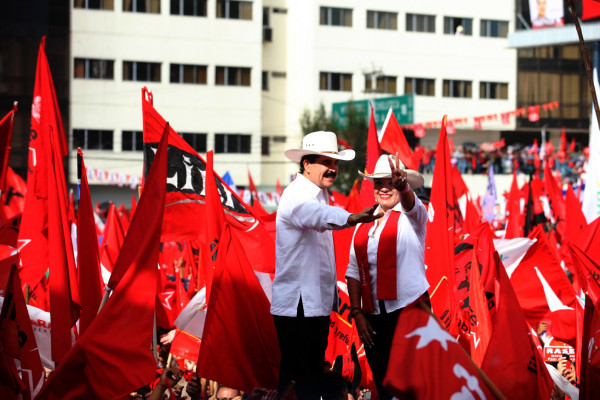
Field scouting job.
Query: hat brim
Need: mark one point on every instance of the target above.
(297, 154)
(415, 179)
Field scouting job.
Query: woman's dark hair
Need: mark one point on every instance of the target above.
(311, 158)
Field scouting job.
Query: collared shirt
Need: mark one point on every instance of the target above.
(410, 256)
(305, 257)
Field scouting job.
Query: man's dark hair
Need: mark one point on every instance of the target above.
(311, 158)
(334, 386)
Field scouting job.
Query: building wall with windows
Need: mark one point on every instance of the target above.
(202, 60)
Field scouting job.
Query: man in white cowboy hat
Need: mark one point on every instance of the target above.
(304, 288)
(386, 269)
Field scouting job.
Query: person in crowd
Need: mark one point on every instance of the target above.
(386, 270)
(227, 393)
(304, 287)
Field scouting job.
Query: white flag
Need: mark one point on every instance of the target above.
(591, 195)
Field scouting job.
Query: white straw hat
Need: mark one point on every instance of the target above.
(383, 170)
(321, 143)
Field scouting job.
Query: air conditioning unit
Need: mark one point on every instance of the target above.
(267, 34)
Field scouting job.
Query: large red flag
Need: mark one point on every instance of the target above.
(88, 261)
(590, 356)
(427, 363)
(512, 360)
(17, 337)
(392, 140)
(113, 357)
(65, 302)
(575, 220)
(185, 213)
(12, 201)
(373, 152)
(6, 133)
(557, 202)
(482, 331)
(439, 242)
(45, 118)
(587, 271)
(239, 343)
(514, 228)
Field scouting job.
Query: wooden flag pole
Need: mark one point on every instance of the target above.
(586, 60)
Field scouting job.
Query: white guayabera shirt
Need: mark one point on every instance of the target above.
(305, 257)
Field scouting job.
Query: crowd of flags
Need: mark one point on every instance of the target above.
(84, 295)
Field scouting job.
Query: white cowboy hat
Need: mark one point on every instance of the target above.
(321, 143)
(383, 170)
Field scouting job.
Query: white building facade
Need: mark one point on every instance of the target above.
(235, 76)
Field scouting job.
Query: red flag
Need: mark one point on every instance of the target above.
(133, 206)
(472, 217)
(534, 113)
(13, 198)
(590, 357)
(458, 182)
(278, 188)
(588, 272)
(392, 140)
(185, 345)
(112, 239)
(439, 242)
(557, 202)
(185, 213)
(88, 261)
(6, 133)
(572, 145)
(514, 228)
(254, 201)
(248, 356)
(45, 118)
(439, 368)
(563, 139)
(373, 152)
(519, 373)
(113, 347)
(17, 337)
(65, 302)
(575, 220)
(482, 331)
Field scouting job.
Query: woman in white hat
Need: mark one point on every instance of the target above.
(386, 270)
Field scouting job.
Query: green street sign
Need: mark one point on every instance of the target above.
(402, 106)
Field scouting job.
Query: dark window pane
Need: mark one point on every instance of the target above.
(78, 138)
(244, 144)
(219, 143)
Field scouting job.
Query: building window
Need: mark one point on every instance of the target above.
(232, 143)
(493, 90)
(186, 73)
(196, 140)
(265, 80)
(196, 8)
(420, 23)
(92, 139)
(384, 84)
(458, 26)
(233, 9)
(335, 81)
(141, 71)
(95, 4)
(265, 149)
(493, 28)
(333, 16)
(454, 88)
(132, 141)
(382, 20)
(88, 68)
(420, 86)
(142, 6)
(232, 76)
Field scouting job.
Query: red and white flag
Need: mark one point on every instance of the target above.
(392, 140)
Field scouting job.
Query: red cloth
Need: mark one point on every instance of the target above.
(590, 356)
(17, 337)
(439, 242)
(393, 141)
(239, 342)
(514, 229)
(519, 373)
(557, 202)
(373, 152)
(12, 201)
(117, 343)
(482, 331)
(6, 133)
(427, 363)
(65, 302)
(45, 118)
(254, 201)
(386, 261)
(575, 220)
(112, 239)
(88, 261)
(460, 186)
(185, 345)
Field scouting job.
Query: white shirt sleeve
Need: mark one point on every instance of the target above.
(317, 216)
(417, 217)
(352, 269)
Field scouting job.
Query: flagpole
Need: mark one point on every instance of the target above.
(586, 60)
(488, 382)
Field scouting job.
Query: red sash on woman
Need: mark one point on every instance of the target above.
(386, 262)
